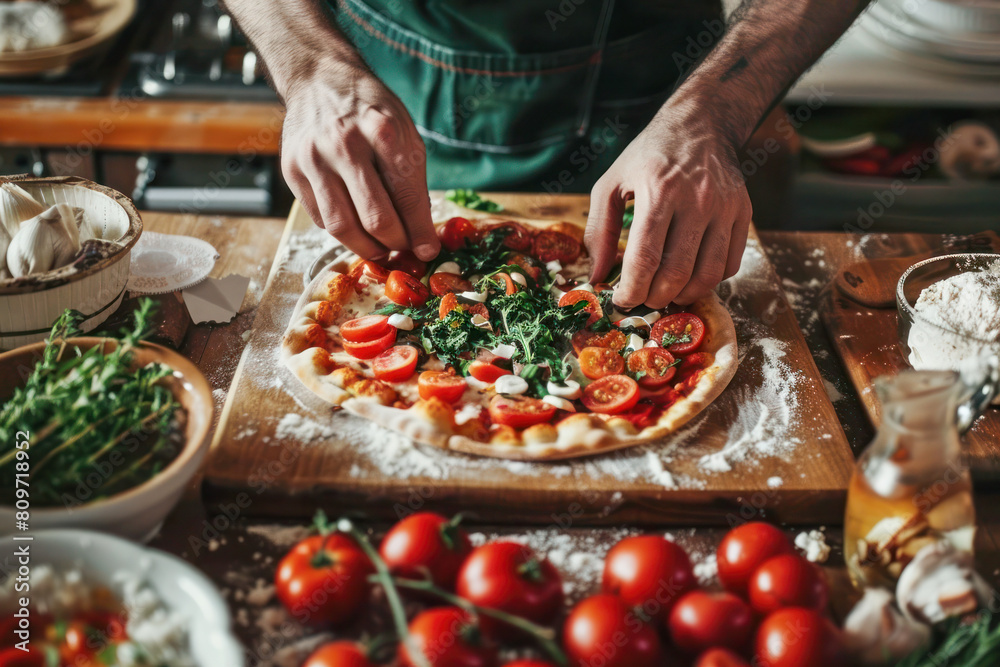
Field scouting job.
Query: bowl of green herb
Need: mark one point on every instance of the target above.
(99, 433)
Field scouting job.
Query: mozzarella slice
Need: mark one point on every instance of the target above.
(570, 389)
(635, 342)
(449, 267)
(559, 403)
(555, 266)
(558, 279)
(519, 278)
(652, 317)
(476, 384)
(478, 297)
(481, 322)
(633, 321)
(586, 287)
(400, 321)
(505, 350)
(651, 343)
(511, 384)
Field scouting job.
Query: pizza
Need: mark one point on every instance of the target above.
(501, 347)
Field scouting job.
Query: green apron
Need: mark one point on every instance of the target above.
(529, 95)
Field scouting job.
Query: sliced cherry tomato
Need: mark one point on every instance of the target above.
(371, 348)
(611, 395)
(397, 364)
(520, 411)
(695, 362)
(443, 385)
(449, 302)
(787, 580)
(593, 307)
(519, 238)
(604, 630)
(365, 328)
(510, 287)
(654, 366)
(569, 229)
(744, 549)
(599, 362)
(680, 326)
(796, 637)
(425, 544)
(613, 339)
(448, 637)
(323, 580)
(369, 269)
(510, 577)
(526, 263)
(443, 283)
(484, 371)
(456, 232)
(551, 246)
(702, 620)
(339, 654)
(407, 262)
(720, 657)
(650, 572)
(403, 289)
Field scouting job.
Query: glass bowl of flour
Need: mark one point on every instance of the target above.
(949, 310)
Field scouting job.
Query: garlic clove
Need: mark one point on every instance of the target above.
(16, 206)
(31, 250)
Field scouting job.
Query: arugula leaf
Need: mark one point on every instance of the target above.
(455, 338)
(482, 257)
(471, 199)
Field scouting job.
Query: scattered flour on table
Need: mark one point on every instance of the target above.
(813, 545)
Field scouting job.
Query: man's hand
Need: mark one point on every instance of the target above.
(353, 157)
(692, 211)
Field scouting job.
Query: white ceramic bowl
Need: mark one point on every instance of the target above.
(182, 588)
(29, 305)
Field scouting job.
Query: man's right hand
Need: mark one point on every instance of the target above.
(354, 159)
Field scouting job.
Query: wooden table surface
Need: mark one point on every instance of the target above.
(240, 554)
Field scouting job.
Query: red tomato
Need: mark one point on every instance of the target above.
(15, 657)
(744, 549)
(365, 328)
(611, 395)
(526, 263)
(654, 365)
(449, 302)
(426, 544)
(795, 637)
(405, 290)
(443, 385)
(593, 307)
(528, 662)
(695, 362)
(509, 576)
(443, 283)
(369, 269)
(484, 371)
(702, 620)
(456, 232)
(520, 411)
(371, 348)
(447, 637)
(599, 362)
(397, 364)
(613, 339)
(551, 246)
(604, 630)
(339, 654)
(720, 657)
(648, 571)
(407, 262)
(324, 580)
(787, 580)
(519, 238)
(679, 325)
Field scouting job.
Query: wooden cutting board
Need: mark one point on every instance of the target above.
(867, 340)
(279, 451)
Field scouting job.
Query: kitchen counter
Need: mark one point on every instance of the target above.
(240, 554)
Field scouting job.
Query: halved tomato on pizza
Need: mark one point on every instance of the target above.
(500, 347)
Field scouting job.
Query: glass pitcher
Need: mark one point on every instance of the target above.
(911, 486)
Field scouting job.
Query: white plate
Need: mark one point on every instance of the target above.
(164, 263)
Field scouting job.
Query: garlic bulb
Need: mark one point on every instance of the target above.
(16, 206)
(25, 26)
(4, 244)
(48, 241)
(878, 633)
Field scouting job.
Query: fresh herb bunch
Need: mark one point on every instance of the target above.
(97, 426)
(961, 643)
(451, 337)
(471, 199)
(481, 257)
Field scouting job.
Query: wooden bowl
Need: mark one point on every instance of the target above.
(137, 513)
(91, 29)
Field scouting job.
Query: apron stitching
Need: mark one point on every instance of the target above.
(369, 28)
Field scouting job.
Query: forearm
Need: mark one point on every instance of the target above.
(768, 45)
(295, 39)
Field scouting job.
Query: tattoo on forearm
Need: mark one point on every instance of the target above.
(735, 69)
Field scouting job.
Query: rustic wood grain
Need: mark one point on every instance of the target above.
(246, 449)
(867, 341)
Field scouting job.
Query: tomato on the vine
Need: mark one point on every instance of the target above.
(796, 637)
(510, 577)
(324, 579)
(448, 637)
(339, 654)
(456, 232)
(787, 580)
(605, 630)
(650, 572)
(426, 544)
(403, 289)
(744, 549)
(702, 620)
